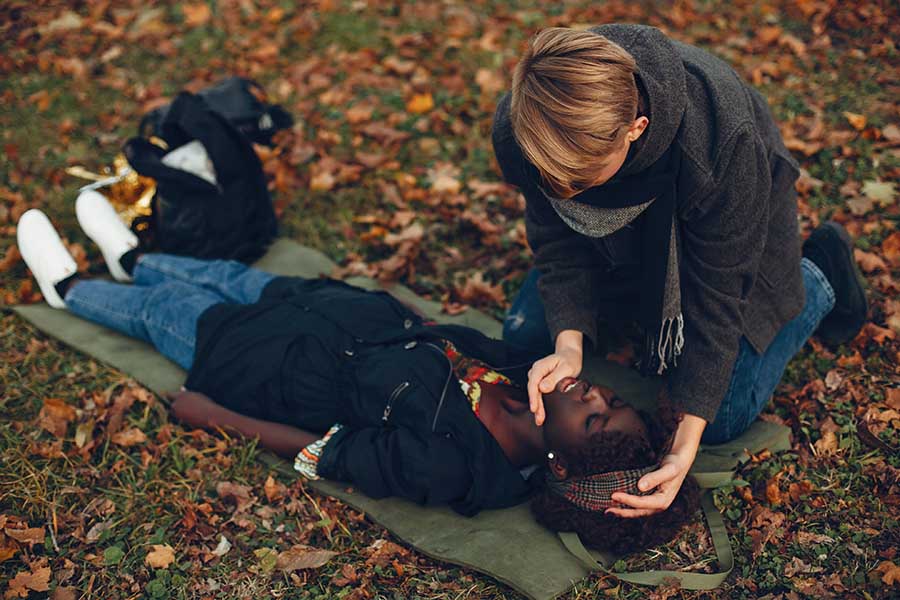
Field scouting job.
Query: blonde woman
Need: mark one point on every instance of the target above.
(659, 191)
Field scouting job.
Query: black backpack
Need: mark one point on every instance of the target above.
(241, 102)
(231, 219)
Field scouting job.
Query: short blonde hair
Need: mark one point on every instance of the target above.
(573, 99)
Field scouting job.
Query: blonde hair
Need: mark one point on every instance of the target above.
(573, 99)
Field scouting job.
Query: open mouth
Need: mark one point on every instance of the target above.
(567, 384)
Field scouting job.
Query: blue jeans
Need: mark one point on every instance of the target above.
(754, 377)
(168, 296)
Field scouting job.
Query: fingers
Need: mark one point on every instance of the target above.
(630, 513)
(663, 474)
(538, 371)
(655, 502)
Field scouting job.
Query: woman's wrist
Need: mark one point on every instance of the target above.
(687, 437)
(570, 340)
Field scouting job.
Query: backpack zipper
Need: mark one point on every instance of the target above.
(393, 397)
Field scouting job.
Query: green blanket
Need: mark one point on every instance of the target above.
(505, 544)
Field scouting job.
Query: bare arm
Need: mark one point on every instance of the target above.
(198, 410)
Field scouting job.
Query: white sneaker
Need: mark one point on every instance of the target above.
(45, 254)
(100, 222)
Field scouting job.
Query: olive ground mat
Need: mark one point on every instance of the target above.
(505, 544)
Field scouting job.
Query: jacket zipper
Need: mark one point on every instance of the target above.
(393, 397)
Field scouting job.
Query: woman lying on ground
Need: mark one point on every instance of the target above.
(357, 387)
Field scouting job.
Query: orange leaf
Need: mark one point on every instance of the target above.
(196, 14)
(891, 248)
(24, 582)
(55, 416)
(858, 121)
(420, 103)
(890, 573)
(868, 261)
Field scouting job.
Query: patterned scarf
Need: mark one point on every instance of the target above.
(594, 492)
(604, 209)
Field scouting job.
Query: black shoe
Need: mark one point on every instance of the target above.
(831, 249)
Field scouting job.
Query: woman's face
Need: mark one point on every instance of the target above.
(576, 410)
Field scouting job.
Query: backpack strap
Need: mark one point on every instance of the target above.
(688, 581)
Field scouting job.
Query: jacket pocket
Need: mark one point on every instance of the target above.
(393, 400)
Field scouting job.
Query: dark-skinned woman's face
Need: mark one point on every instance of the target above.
(576, 410)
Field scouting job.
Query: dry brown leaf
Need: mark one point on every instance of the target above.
(359, 113)
(196, 14)
(827, 444)
(869, 261)
(55, 416)
(891, 133)
(890, 573)
(303, 557)
(25, 582)
(856, 120)
(29, 535)
(382, 552)
(322, 182)
(891, 248)
(11, 258)
(478, 291)
(129, 437)
(491, 82)
(273, 489)
(64, 593)
(413, 233)
(160, 557)
(237, 492)
(805, 538)
(892, 398)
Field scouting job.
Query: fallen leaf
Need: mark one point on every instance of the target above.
(382, 552)
(348, 575)
(491, 82)
(160, 557)
(796, 565)
(222, 547)
(196, 14)
(892, 398)
(890, 573)
(477, 291)
(268, 559)
(891, 133)
(25, 582)
(55, 416)
(833, 380)
(359, 113)
(890, 247)
(322, 182)
(443, 178)
(29, 535)
(420, 103)
(827, 444)
(860, 205)
(856, 120)
(64, 593)
(805, 538)
(882, 192)
(129, 437)
(240, 494)
(868, 261)
(303, 557)
(274, 490)
(97, 530)
(11, 258)
(413, 233)
(773, 492)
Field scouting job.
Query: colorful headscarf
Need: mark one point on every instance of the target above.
(594, 492)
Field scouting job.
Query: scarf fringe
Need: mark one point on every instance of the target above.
(662, 351)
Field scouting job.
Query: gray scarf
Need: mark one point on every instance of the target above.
(602, 210)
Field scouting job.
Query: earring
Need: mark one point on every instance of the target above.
(550, 456)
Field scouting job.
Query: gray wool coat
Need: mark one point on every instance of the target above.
(737, 216)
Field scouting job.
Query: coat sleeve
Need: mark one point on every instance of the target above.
(383, 462)
(567, 261)
(723, 238)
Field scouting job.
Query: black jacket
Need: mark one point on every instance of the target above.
(312, 353)
(737, 211)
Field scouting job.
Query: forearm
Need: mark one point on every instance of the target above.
(687, 436)
(570, 339)
(199, 410)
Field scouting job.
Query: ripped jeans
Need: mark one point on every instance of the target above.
(754, 376)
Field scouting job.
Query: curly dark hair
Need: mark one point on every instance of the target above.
(618, 451)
